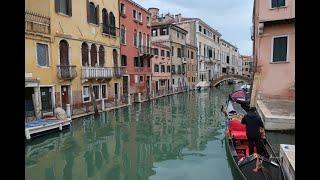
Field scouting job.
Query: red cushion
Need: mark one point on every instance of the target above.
(239, 134)
(235, 125)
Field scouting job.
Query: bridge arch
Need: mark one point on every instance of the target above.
(229, 77)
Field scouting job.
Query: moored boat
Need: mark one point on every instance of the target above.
(238, 150)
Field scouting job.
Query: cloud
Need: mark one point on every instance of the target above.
(232, 18)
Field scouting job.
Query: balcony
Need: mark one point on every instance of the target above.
(119, 71)
(184, 60)
(110, 31)
(37, 23)
(142, 70)
(144, 50)
(97, 72)
(66, 72)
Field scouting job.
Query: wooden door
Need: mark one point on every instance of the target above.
(64, 97)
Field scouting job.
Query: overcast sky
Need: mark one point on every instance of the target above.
(232, 18)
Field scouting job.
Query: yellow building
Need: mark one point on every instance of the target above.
(69, 46)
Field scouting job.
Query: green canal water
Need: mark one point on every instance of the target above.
(175, 137)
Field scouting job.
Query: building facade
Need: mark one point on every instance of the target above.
(165, 32)
(135, 42)
(191, 65)
(273, 37)
(161, 68)
(231, 62)
(72, 49)
(247, 66)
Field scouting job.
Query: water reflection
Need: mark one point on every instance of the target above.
(133, 142)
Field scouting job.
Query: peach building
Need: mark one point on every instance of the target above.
(273, 36)
(161, 67)
(247, 66)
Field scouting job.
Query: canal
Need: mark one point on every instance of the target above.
(175, 137)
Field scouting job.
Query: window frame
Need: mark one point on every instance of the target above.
(93, 85)
(48, 54)
(83, 101)
(125, 33)
(101, 97)
(272, 42)
(124, 9)
(134, 14)
(277, 7)
(126, 60)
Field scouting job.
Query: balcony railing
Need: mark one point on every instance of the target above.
(119, 71)
(66, 72)
(109, 30)
(37, 23)
(144, 50)
(97, 72)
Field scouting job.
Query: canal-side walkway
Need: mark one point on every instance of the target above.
(156, 96)
(277, 114)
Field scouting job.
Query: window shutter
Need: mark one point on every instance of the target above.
(70, 7)
(57, 6)
(88, 11)
(97, 14)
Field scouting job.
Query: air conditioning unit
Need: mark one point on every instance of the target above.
(260, 28)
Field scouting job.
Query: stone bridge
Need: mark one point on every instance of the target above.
(228, 77)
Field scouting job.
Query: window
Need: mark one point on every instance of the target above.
(210, 53)
(163, 68)
(200, 28)
(42, 54)
(141, 78)
(173, 69)
(204, 31)
(163, 31)
(64, 52)
(134, 14)
(168, 54)
(140, 39)
(179, 52)
(140, 16)
(93, 55)
(123, 35)
(96, 91)
(182, 36)
(172, 51)
(136, 78)
(156, 51)
(280, 49)
(122, 9)
(246, 69)
(123, 60)
(93, 13)
(277, 3)
(112, 24)
(148, 21)
(136, 62)
(177, 34)
(154, 32)
(85, 54)
(156, 68)
(105, 21)
(228, 59)
(188, 54)
(214, 37)
(85, 94)
(148, 62)
(101, 56)
(64, 7)
(191, 54)
(103, 91)
(141, 62)
(168, 68)
(172, 81)
(162, 53)
(135, 41)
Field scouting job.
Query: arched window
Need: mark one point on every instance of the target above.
(105, 21)
(64, 52)
(115, 57)
(123, 35)
(92, 13)
(112, 24)
(101, 56)
(93, 55)
(85, 54)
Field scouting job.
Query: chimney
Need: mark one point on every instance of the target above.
(154, 13)
(178, 17)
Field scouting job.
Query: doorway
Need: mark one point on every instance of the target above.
(65, 96)
(125, 85)
(157, 86)
(46, 99)
(116, 91)
(29, 106)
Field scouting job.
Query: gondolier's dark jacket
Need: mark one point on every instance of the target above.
(253, 123)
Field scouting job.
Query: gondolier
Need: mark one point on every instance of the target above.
(253, 125)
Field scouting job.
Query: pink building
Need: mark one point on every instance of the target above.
(273, 36)
(135, 48)
(161, 67)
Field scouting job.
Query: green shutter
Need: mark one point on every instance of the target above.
(70, 7)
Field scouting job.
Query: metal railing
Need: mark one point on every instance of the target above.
(37, 23)
(97, 72)
(66, 72)
(144, 50)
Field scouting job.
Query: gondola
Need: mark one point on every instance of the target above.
(238, 151)
(241, 97)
